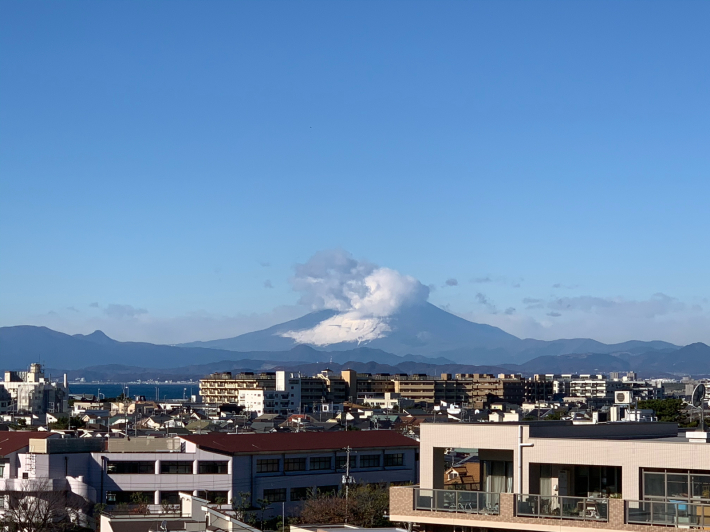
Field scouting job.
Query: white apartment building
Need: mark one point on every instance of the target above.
(32, 392)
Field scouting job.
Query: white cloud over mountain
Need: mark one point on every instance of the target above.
(364, 294)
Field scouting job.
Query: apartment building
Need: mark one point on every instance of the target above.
(557, 476)
(34, 393)
(279, 392)
(278, 467)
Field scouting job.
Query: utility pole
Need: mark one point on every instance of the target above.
(347, 480)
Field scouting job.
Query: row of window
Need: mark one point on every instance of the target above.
(301, 494)
(321, 463)
(675, 484)
(182, 467)
(166, 497)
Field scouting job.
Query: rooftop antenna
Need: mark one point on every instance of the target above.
(697, 401)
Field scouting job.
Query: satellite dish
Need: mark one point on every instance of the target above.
(698, 395)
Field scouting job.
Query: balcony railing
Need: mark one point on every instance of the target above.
(668, 513)
(579, 508)
(459, 501)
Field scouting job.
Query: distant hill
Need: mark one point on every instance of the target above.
(24, 344)
(426, 330)
(654, 364)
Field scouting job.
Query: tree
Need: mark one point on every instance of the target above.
(669, 410)
(367, 506)
(241, 505)
(37, 507)
(63, 423)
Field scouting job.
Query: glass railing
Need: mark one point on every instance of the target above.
(580, 508)
(459, 501)
(668, 513)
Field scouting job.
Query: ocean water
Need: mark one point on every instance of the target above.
(150, 391)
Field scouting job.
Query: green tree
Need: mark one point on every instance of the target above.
(62, 423)
(669, 410)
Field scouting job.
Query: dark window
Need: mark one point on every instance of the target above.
(169, 497)
(370, 460)
(176, 468)
(300, 494)
(130, 468)
(340, 462)
(275, 495)
(328, 490)
(295, 464)
(268, 465)
(212, 468)
(128, 497)
(215, 497)
(321, 462)
(393, 460)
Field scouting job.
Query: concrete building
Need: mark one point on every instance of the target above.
(31, 392)
(556, 476)
(278, 467)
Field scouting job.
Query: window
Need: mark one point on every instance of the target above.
(394, 460)
(701, 486)
(295, 464)
(328, 490)
(209, 467)
(340, 462)
(169, 497)
(2, 470)
(215, 497)
(128, 497)
(370, 460)
(300, 494)
(267, 465)
(676, 484)
(176, 468)
(275, 495)
(130, 468)
(321, 462)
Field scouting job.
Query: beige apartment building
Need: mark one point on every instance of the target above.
(472, 390)
(556, 476)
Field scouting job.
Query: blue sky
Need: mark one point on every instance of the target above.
(165, 165)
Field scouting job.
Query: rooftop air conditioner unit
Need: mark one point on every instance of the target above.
(623, 398)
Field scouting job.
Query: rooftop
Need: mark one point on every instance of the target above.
(299, 441)
(14, 441)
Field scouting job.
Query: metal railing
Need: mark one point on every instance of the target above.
(578, 508)
(668, 513)
(458, 501)
(142, 510)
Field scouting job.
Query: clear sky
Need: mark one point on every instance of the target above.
(164, 166)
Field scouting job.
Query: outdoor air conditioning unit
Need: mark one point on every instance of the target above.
(623, 398)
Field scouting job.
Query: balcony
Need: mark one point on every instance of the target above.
(579, 508)
(458, 501)
(681, 514)
(458, 508)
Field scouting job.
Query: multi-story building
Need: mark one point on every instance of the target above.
(594, 387)
(539, 388)
(279, 467)
(557, 476)
(31, 392)
(279, 392)
(223, 387)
